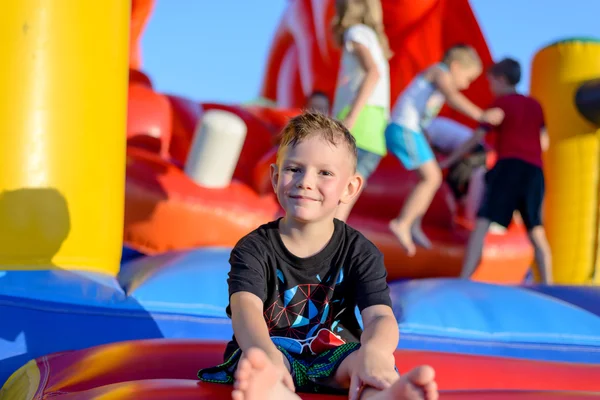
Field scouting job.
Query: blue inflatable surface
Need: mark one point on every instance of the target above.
(184, 295)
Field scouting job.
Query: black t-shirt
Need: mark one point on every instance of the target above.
(309, 303)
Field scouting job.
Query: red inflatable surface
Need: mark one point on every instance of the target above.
(166, 369)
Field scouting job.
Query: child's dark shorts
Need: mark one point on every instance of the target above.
(459, 174)
(512, 185)
(311, 373)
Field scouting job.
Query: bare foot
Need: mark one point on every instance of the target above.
(402, 232)
(419, 236)
(417, 384)
(257, 378)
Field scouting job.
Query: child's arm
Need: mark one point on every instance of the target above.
(368, 84)
(374, 365)
(381, 329)
(249, 326)
(544, 139)
(463, 149)
(247, 283)
(461, 103)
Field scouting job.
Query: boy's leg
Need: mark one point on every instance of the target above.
(531, 214)
(474, 248)
(416, 205)
(499, 201)
(419, 383)
(475, 193)
(543, 255)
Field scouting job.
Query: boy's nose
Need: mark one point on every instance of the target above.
(306, 181)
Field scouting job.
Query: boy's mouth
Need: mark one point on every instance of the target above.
(300, 197)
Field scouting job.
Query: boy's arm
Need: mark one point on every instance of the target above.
(455, 98)
(247, 291)
(544, 139)
(375, 305)
(368, 84)
(381, 329)
(463, 149)
(249, 326)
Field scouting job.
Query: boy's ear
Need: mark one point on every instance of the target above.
(274, 176)
(354, 187)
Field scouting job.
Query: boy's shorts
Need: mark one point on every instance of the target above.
(366, 163)
(409, 146)
(459, 174)
(311, 373)
(512, 185)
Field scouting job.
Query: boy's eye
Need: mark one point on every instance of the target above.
(327, 173)
(292, 169)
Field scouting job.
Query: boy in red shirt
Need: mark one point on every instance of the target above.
(517, 180)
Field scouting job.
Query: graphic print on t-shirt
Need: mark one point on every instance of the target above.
(302, 319)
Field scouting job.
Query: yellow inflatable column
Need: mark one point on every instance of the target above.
(63, 85)
(572, 163)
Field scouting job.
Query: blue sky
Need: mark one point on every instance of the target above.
(211, 50)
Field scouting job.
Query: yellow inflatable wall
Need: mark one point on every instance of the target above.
(62, 144)
(572, 163)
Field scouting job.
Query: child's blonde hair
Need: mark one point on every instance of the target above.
(464, 54)
(310, 124)
(367, 12)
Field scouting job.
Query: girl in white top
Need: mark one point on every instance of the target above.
(362, 96)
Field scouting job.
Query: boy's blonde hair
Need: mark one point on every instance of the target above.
(367, 12)
(309, 124)
(464, 54)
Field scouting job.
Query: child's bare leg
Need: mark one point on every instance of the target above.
(416, 204)
(475, 193)
(474, 248)
(543, 255)
(418, 236)
(419, 383)
(257, 378)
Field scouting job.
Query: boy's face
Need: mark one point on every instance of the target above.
(312, 179)
(497, 84)
(464, 75)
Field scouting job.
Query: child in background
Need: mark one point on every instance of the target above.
(318, 101)
(517, 180)
(362, 96)
(295, 283)
(421, 101)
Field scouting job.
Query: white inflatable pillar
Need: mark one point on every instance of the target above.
(215, 149)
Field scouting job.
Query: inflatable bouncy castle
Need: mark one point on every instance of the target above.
(158, 192)
(90, 142)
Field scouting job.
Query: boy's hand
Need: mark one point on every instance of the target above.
(372, 368)
(493, 116)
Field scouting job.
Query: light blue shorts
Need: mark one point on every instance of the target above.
(366, 163)
(410, 147)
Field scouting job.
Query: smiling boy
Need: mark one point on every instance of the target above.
(295, 282)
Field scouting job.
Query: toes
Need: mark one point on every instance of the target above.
(237, 395)
(421, 376)
(431, 391)
(243, 370)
